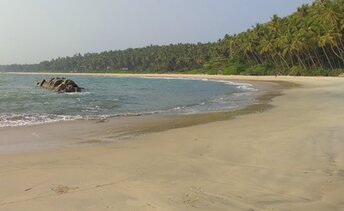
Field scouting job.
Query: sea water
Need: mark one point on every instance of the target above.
(24, 103)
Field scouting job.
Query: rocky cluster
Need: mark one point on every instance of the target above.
(60, 85)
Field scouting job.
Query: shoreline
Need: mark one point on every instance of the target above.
(241, 86)
(135, 125)
(288, 157)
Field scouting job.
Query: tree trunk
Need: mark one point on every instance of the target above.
(257, 56)
(274, 60)
(254, 57)
(291, 59)
(335, 53)
(341, 44)
(328, 59)
(282, 58)
(311, 58)
(300, 60)
(318, 58)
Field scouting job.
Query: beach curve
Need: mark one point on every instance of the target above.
(288, 157)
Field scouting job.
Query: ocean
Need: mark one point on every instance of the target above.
(23, 103)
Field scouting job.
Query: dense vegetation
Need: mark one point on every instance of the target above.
(308, 42)
(179, 57)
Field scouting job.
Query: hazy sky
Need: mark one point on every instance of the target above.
(36, 30)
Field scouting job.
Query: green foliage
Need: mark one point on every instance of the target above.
(212, 72)
(215, 63)
(320, 72)
(259, 69)
(167, 58)
(301, 71)
(234, 69)
(309, 40)
(297, 71)
(231, 70)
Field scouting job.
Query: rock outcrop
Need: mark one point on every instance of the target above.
(60, 85)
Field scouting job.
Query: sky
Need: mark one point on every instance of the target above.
(35, 30)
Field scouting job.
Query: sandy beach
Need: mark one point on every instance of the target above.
(286, 156)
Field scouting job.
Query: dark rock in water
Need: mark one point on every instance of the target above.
(60, 85)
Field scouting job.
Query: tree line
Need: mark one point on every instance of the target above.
(177, 57)
(307, 42)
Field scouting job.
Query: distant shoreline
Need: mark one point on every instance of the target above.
(176, 75)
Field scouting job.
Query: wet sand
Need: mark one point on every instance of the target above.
(284, 154)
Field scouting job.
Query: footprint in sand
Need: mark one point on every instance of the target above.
(63, 189)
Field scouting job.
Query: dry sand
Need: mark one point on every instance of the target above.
(289, 157)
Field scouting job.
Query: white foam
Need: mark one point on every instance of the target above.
(13, 120)
(241, 86)
(76, 93)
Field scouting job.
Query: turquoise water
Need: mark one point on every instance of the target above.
(23, 103)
